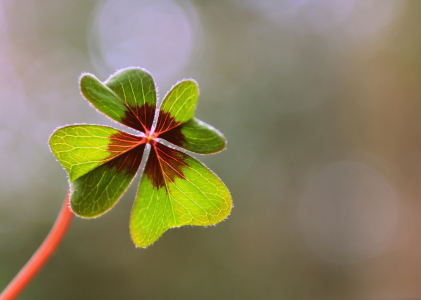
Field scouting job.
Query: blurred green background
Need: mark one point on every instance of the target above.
(319, 101)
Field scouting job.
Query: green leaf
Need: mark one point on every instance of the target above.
(102, 97)
(135, 86)
(98, 191)
(196, 136)
(82, 148)
(128, 97)
(178, 105)
(176, 190)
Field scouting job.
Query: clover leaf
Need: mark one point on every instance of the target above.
(175, 189)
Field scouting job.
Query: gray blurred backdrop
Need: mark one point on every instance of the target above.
(319, 101)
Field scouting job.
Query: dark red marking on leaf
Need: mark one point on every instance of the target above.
(165, 122)
(122, 142)
(174, 136)
(129, 150)
(129, 161)
(164, 164)
(139, 117)
(170, 130)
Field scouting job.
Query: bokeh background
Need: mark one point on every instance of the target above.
(319, 101)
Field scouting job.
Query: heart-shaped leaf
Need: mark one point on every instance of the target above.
(176, 190)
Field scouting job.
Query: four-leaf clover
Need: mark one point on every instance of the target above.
(175, 189)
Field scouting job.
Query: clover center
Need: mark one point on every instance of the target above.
(150, 136)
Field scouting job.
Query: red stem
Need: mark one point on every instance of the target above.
(42, 255)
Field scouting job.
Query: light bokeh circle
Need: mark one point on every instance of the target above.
(160, 36)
